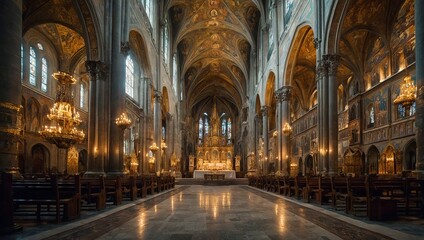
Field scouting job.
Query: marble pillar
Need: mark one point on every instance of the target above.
(284, 96)
(265, 160)
(324, 124)
(419, 66)
(11, 88)
(332, 62)
(279, 126)
(115, 163)
(157, 128)
(97, 126)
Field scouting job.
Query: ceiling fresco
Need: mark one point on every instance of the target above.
(371, 33)
(214, 39)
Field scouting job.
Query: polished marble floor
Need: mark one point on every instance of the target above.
(219, 212)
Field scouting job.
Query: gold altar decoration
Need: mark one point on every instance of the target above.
(63, 116)
(215, 152)
(163, 144)
(154, 147)
(123, 121)
(287, 129)
(408, 93)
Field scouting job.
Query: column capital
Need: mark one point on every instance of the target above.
(264, 110)
(331, 62)
(158, 97)
(284, 93)
(125, 48)
(97, 70)
(317, 42)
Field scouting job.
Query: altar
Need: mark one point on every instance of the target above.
(229, 174)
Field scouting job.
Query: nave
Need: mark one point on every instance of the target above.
(222, 212)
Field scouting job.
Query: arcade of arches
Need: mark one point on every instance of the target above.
(327, 72)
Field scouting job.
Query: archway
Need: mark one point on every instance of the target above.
(309, 165)
(386, 163)
(410, 155)
(40, 158)
(82, 161)
(372, 156)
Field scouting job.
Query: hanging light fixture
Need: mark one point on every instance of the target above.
(408, 93)
(154, 147)
(287, 129)
(123, 121)
(64, 118)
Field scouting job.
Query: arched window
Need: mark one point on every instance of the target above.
(229, 129)
(206, 127)
(22, 63)
(44, 78)
(371, 117)
(165, 38)
(148, 7)
(174, 73)
(82, 95)
(224, 127)
(200, 128)
(129, 77)
(270, 29)
(32, 66)
(163, 133)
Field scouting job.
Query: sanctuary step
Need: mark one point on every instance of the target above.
(196, 181)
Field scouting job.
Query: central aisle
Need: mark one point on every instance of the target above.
(224, 212)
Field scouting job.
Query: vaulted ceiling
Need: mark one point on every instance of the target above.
(214, 39)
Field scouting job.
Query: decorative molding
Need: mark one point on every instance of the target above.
(158, 97)
(97, 70)
(316, 42)
(264, 110)
(11, 106)
(284, 93)
(331, 62)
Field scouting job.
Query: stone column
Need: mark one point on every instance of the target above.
(332, 61)
(117, 91)
(279, 127)
(256, 141)
(157, 127)
(284, 95)
(96, 119)
(419, 66)
(322, 75)
(265, 159)
(10, 91)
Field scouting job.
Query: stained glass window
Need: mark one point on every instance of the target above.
(129, 77)
(224, 127)
(165, 37)
(206, 127)
(40, 46)
(174, 73)
(229, 129)
(22, 62)
(82, 95)
(44, 78)
(372, 115)
(200, 128)
(32, 66)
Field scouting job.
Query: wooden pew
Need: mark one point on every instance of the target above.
(357, 200)
(114, 190)
(300, 185)
(129, 188)
(94, 190)
(141, 186)
(339, 192)
(30, 194)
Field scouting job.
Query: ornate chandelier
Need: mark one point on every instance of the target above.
(63, 116)
(287, 129)
(408, 93)
(123, 121)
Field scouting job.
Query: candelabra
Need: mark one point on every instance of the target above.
(64, 118)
